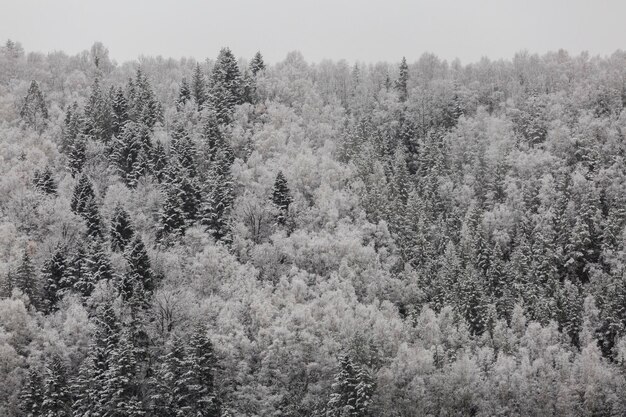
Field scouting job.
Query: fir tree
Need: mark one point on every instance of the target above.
(402, 81)
(219, 196)
(72, 126)
(92, 218)
(257, 65)
(96, 267)
(172, 219)
(138, 282)
(198, 87)
(281, 198)
(131, 153)
(78, 155)
(26, 281)
(201, 375)
(121, 230)
(172, 382)
(31, 395)
(121, 393)
(119, 111)
(184, 94)
(352, 390)
(44, 181)
(97, 118)
(83, 194)
(34, 111)
(226, 86)
(53, 276)
(57, 398)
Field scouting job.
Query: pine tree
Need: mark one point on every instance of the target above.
(257, 65)
(57, 399)
(83, 194)
(78, 155)
(281, 198)
(53, 275)
(44, 181)
(26, 281)
(121, 230)
(198, 87)
(402, 81)
(34, 111)
(31, 395)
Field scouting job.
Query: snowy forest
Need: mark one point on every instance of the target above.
(230, 237)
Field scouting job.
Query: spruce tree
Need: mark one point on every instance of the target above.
(184, 94)
(119, 111)
(96, 267)
(131, 153)
(97, 117)
(352, 390)
(226, 85)
(53, 275)
(57, 400)
(257, 65)
(31, 395)
(92, 218)
(34, 111)
(26, 281)
(281, 198)
(402, 81)
(172, 219)
(203, 365)
(121, 230)
(83, 194)
(138, 282)
(44, 181)
(172, 383)
(121, 392)
(219, 196)
(198, 87)
(77, 156)
(72, 126)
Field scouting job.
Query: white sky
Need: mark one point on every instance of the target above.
(363, 30)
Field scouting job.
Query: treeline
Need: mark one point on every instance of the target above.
(229, 238)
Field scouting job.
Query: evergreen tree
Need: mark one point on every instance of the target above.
(82, 196)
(78, 155)
(26, 281)
(172, 219)
(219, 196)
(31, 395)
(202, 366)
(131, 153)
(53, 276)
(281, 198)
(72, 126)
(257, 65)
(121, 393)
(226, 86)
(121, 230)
(142, 104)
(352, 390)
(92, 218)
(119, 111)
(198, 87)
(96, 267)
(97, 118)
(139, 281)
(402, 81)
(172, 382)
(184, 94)
(57, 398)
(34, 111)
(44, 181)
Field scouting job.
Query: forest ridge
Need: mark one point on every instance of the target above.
(228, 237)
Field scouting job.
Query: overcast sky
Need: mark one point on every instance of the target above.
(356, 30)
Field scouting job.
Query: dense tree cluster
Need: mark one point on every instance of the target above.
(231, 238)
